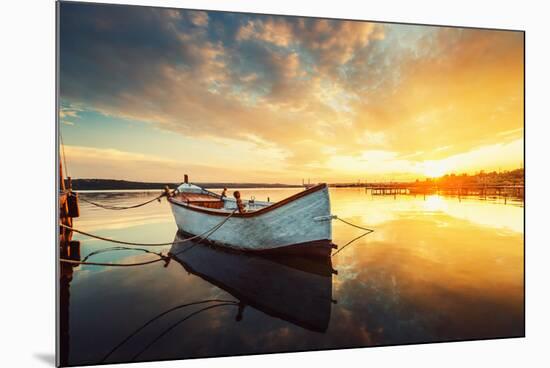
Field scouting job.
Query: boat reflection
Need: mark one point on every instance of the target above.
(295, 289)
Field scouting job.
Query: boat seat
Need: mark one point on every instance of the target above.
(201, 200)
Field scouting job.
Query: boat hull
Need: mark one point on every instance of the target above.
(297, 225)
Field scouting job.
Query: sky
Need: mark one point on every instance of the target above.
(151, 94)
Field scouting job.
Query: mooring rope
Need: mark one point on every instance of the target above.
(179, 322)
(161, 315)
(109, 207)
(105, 250)
(162, 257)
(121, 241)
(367, 232)
(71, 261)
(350, 242)
(149, 244)
(357, 226)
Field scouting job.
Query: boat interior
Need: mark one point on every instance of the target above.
(207, 199)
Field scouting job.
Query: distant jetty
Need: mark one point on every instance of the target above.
(507, 183)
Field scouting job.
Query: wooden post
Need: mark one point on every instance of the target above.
(61, 180)
(68, 204)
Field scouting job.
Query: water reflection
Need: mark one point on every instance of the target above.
(297, 290)
(294, 289)
(210, 304)
(437, 269)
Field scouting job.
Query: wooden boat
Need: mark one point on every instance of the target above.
(295, 289)
(299, 224)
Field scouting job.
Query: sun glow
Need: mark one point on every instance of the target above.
(434, 169)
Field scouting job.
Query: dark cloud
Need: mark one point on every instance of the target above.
(110, 50)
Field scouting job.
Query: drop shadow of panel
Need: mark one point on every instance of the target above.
(295, 289)
(47, 358)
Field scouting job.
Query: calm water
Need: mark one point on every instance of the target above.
(435, 269)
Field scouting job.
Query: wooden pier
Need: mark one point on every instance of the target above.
(390, 189)
(481, 190)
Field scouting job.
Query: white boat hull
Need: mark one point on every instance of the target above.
(302, 221)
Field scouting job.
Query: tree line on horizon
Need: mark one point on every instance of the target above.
(512, 177)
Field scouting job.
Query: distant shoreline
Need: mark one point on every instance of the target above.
(110, 184)
(513, 178)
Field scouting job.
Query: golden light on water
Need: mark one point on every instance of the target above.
(434, 203)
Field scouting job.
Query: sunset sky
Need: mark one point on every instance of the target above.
(149, 94)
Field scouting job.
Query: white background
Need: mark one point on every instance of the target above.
(27, 202)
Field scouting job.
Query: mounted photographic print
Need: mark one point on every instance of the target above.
(235, 184)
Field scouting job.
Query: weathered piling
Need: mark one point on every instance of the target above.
(68, 208)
